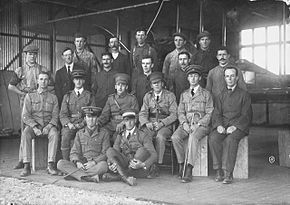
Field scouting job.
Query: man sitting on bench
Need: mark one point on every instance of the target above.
(230, 122)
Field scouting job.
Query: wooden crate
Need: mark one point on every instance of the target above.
(39, 153)
(284, 147)
(201, 163)
(241, 169)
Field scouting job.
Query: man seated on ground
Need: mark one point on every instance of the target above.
(111, 117)
(71, 114)
(133, 154)
(88, 154)
(230, 122)
(158, 113)
(194, 113)
(40, 118)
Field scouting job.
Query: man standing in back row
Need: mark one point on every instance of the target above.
(230, 123)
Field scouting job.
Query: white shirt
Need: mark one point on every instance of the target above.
(115, 55)
(130, 132)
(70, 67)
(195, 88)
(78, 90)
(232, 88)
(159, 95)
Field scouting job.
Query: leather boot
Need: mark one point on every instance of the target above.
(50, 169)
(153, 171)
(19, 165)
(219, 175)
(109, 177)
(123, 173)
(180, 170)
(228, 177)
(26, 171)
(65, 154)
(188, 174)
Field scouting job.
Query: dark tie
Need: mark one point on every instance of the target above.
(192, 92)
(79, 94)
(157, 98)
(229, 90)
(68, 70)
(129, 136)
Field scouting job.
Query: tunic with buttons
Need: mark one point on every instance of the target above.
(136, 141)
(165, 108)
(111, 114)
(40, 109)
(201, 104)
(90, 146)
(71, 106)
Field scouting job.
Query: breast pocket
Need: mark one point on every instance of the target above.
(49, 105)
(36, 105)
(84, 146)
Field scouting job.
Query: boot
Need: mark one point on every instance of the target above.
(180, 170)
(19, 165)
(219, 175)
(228, 177)
(26, 171)
(90, 179)
(153, 171)
(122, 172)
(65, 154)
(188, 174)
(50, 169)
(109, 177)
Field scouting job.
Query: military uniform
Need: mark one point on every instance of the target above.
(89, 145)
(39, 110)
(164, 110)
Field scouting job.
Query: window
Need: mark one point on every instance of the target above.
(264, 46)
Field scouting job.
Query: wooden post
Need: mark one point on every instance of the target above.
(39, 153)
(284, 147)
(201, 162)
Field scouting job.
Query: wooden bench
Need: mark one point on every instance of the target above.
(39, 153)
(201, 162)
(241, 169)
(284, 147)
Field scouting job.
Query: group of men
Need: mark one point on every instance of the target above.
(114, 128)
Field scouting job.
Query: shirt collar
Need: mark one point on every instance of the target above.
(115, 55)
(71, 66)
(130, 132)
(79, 90)
(41, 91)
(147, 74)
(195, 88)
(232, 88)
(155, 94)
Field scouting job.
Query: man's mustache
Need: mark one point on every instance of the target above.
(222, 59)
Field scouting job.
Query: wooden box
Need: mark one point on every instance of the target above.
(39, 153)
(241, 169)
(201, 163)
(284, 147)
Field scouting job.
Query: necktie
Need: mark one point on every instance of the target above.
(129, 136)
(157, 98)
(68, 70)
(79, 94)
(230, 90)
(192, 92)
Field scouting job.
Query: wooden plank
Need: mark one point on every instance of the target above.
(284, 147)
(241, 169)
(201, 162)
(39, 157)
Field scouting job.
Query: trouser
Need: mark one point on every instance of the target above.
(141, 154)
(69, 167)
(67, 140)
(111, 128)
(159, 138)
(224, 149)
(187, 143)
(28, 135)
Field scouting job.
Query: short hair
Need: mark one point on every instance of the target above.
(184, 52)
(148, 56)
(113, 37)
(229, 67)
(80, 35)
(223, 48)
(66, 49)
(44, 73)
(141, 29)
(107, 54)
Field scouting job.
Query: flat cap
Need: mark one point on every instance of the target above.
(92, 110)
(155, 77)
(78, 73)
(130, 113)
(122, 78)
(202, 34)
(80, 35)
(182, 35)
(31, 48)
(194, 69)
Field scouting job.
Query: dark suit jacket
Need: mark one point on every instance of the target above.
(121, 64)
(63, 84)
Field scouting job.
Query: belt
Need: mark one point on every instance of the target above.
(160, 116)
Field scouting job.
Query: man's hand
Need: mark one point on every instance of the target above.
(136, 164)
(89, 164)
(78, 126)
(150, 126)
(120, 127)
(186, 127)
(158, 125)
(80, 166)
(46, 129)
(231, 129)
(71, 126)
(221, 129)
(113, 167)
(37, 131)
